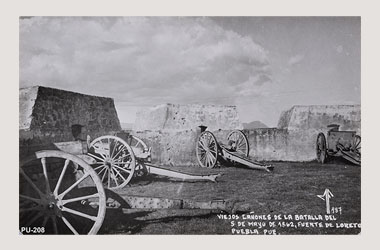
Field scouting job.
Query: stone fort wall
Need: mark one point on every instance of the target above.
(47, 115)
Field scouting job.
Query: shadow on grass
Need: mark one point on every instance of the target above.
(122, 219)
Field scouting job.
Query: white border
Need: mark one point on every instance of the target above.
(9, 104)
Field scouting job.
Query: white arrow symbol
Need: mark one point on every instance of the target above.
(326, 196)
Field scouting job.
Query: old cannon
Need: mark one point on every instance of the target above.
(346, 144)
(62, 191)
(119, 158)
(209, 151)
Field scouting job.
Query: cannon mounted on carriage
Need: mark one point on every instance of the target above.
(346, 144)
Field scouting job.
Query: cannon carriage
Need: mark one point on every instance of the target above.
(346, 144)
(63, 191)
(210, 152)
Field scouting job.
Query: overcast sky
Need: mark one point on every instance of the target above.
(263, 65)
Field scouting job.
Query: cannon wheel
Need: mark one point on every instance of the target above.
(357, 144)
(207, 150)
(115, 161)
(239, 142)
(138, 146)
(52, 198)
(321, 148)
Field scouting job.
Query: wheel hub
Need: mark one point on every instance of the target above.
(108, 162)
(51, 206)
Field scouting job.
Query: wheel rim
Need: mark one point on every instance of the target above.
(207, 150)
(357, 144)
(60, 194)
(138, 146)
(238, 142)
(115, 161)
(321, 148)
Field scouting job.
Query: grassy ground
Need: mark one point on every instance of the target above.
(291, 189)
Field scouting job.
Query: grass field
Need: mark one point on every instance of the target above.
(291, 189)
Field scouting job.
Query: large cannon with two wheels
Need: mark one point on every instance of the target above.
(119, 158)
(62, 191)
(346, 144)
(236, 150)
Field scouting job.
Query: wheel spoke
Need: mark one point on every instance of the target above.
(30, 222)
(80, 198)
(100, 149)
(55, 192)
(23, 210)
(31, 183)
(119, 174)
(96, 157)
(69, 225)
(105, 172)
(202, 145)
(138, 142)
(242, 143)
(125, 170)
(204, 142)
(207, 160)
(118, 152)
(212, 157)
(74, 185)
(109, 178)
(122, 157)
(45, 221)
(44, 169)
(113, 150)
(240, 151)
(38, 201)
(113, 177)
(203, 158)
(103, 165)
(54, 222)
(71, 211)
(109, 147)
(200, 148)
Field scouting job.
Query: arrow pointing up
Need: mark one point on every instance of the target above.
(326, 197)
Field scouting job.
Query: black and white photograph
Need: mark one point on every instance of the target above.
(190, 125)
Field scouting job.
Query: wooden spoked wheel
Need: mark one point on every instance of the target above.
(321, 148)
(59, 193)
(357, 144)
(139, 148)
(238, 142)
(207, 150)
(115, 161)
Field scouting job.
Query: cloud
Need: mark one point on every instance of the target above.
(339, 49)
(295, 59)
(142, 60)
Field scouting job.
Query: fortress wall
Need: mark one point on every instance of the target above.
(186, 117)
(293, 140)
(47, 115)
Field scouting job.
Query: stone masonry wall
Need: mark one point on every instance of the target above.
(47, 114)
(294, 140)
(186, 117)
